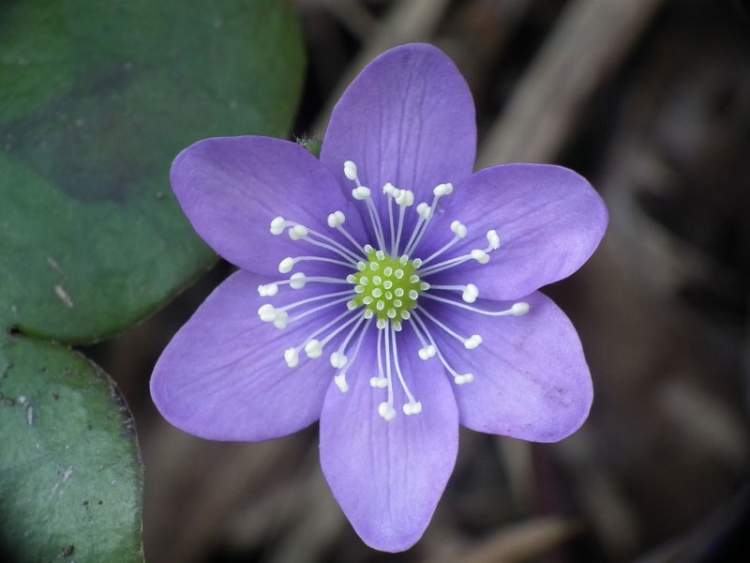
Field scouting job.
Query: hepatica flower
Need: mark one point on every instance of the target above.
(386, 290)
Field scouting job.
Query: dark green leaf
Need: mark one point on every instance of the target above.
(70, 477)
(96, 100)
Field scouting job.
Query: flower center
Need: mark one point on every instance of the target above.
(387, 287)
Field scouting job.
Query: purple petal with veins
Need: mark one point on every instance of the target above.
(385, 290)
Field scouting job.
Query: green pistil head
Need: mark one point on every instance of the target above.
(388, 288)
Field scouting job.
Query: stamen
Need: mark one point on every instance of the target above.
(517, 310)
(459, 230)
(288, 263)
(477, 254)
(458, 378)
(291, 355)
(440, 191)
(335, 221)
(301, 232)
(379, 382)
(404, 199)
(469, 292)
(362, 193)
(385, 409)
(389, 190)
(297, 281)
(338, 358)
(340, 377)
(320, 308)
(278, 225)
(413, 406)
(469, 343)
(314, 348)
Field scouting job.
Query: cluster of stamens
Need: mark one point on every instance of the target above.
(384, 285)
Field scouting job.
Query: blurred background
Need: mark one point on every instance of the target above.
(650, 100)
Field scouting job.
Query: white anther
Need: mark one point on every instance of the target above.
(361, 266)
(336, 219)
(387, 411)
(424, 286)
(350, 170)
(361, 193)
(417, 262)
(291, 355)
(340, 381)
(470, 293)
(368, 312)
(381, 323)
(278, 225)
(298, 280)
(286, 265)
(519, 309)
(351, 305)
(268, 290)
(405, 198)
(462, 379)
(480, 256)
(281, 319)
(424, 210)
(413, 294)
(378, 382)
(389, 189)
(443, 189)
(494, 239)
(399, 274)
(338, 360)
(427, 352)
(298, 232)
(459, 229)
(314, 348)
(388, 284)
(380, 255)
(267, 313)
(472, 342)
(412, 408)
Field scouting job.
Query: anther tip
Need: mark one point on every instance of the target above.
(519, 309)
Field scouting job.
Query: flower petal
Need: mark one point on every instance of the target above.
(231, 188)
(531, 380)
(408, 119)
(223, 375)
(389, 476)
(550, 221)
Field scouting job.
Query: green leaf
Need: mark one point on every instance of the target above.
(97, 99)
(70, 476)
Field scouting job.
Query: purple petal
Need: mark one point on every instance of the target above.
(549, 218)
(231, 188)
(531, 380)
(408, 119)
(223, 375)
(389, 476)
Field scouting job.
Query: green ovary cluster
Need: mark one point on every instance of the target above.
(387, 287)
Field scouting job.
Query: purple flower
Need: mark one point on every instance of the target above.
(407, 302)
